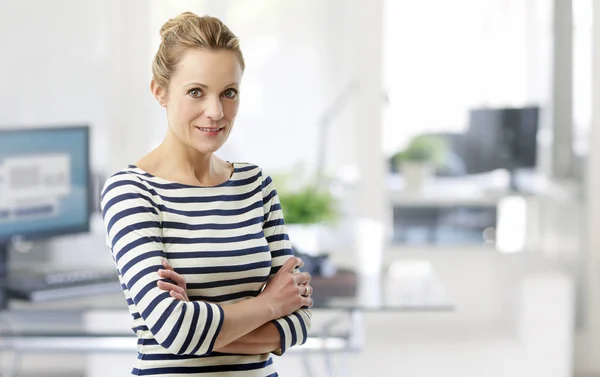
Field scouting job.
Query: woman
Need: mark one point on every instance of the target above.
(219, 224)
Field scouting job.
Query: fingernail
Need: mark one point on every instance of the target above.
(161, 271)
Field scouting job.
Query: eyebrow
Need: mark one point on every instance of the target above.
(206, 86)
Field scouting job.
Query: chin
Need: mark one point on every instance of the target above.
(206, 148)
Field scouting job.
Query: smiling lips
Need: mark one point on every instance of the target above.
(210, 131)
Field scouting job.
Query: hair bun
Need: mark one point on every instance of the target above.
(175, 23)
(188, 30)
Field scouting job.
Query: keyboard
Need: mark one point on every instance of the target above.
(63, 285)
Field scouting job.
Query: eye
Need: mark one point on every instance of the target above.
(196, 93)
(230, 93)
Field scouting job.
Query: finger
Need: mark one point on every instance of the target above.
(305, 290)
(167, 280)
(179, 290)
(169, 287)
(170, 274)
(307, 302)
(300, 264)
(290, 265)
(167, 265)
(177, 296)
(302, 278)
(309, 291)
(302, 290)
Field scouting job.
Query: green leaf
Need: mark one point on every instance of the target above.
(423, 148)
(308, 205)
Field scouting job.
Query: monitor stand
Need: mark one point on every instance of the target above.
(4, 253)
(513, 186)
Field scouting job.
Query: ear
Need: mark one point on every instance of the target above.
(158, 92)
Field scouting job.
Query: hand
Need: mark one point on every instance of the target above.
(284, 292)
(308, 290)
(178, 290)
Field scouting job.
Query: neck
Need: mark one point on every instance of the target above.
(181, 160)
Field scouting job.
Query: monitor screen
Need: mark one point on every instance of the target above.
(502, 138)
(44, 182)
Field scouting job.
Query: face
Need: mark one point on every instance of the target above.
(202, 98)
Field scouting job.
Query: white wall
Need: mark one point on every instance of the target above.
(51, 74)
(68, 61)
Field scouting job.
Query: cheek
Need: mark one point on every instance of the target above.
(186, 109)
(230, 110)
(182, 112)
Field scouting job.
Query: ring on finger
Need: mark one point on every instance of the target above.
(306, 291)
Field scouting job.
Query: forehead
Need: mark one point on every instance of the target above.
(212, 68)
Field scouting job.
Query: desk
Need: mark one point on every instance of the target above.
(61, 326)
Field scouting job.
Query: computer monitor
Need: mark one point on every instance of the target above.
(44, 182)
(483, 141)
(501, 138)
(44, 187)
(520, 130)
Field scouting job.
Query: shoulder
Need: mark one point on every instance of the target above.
(125, 183)
(241, 167)
(254, 170)
(128, 177)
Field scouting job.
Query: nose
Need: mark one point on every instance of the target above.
(214, 108)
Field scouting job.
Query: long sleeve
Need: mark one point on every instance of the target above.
(132, 216)
(294, 328)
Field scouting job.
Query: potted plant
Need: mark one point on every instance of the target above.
(418, 161)
(307, 210)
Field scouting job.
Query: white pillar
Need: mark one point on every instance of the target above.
(371, 204)
(129, 98)
(588, 342)
(562, 90)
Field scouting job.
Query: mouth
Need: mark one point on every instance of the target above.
(210, 131)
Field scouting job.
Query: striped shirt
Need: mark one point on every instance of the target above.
(226, 240)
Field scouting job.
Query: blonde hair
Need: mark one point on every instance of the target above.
(188, 30)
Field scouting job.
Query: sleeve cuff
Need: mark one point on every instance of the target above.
(292, 331)
(212, 327)
(282, 337)
(219, 326)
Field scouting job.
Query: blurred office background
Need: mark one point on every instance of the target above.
(454, 144)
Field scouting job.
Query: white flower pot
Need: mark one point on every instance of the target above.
(416, 175)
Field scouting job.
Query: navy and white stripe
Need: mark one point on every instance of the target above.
(226, 240)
